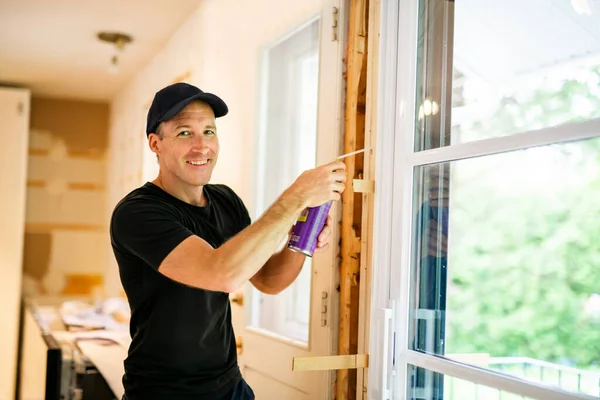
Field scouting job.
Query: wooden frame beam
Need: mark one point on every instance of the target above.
(352, 204)
(366, 263)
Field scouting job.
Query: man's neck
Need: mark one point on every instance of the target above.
(193, 195)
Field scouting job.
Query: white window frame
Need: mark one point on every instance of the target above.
(393, 208)
(280, 313)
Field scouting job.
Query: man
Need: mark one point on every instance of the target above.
(183, 244)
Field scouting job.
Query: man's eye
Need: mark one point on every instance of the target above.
(209, 132)
(184, 133)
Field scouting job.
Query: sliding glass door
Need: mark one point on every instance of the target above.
(488, 263)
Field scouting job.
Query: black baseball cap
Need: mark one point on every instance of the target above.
(169, 101)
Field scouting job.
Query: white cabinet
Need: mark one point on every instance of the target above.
(14, 134)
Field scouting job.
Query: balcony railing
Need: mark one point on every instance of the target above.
(568, 378)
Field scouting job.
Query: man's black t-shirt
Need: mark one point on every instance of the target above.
(183, 345)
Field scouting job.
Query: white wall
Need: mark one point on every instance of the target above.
(219, 46)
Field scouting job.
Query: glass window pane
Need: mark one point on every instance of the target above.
(428, 385)
(496, 68)
(506, 263)
(288, 147)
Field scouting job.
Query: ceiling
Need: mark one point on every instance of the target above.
(51, 46)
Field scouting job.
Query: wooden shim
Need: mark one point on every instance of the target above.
(363, 186)
(328, 363)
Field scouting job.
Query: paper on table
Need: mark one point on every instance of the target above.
(108, 359)
(120, 337)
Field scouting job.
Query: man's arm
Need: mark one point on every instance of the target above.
(284, 266)
(194, 262)
(279, 272)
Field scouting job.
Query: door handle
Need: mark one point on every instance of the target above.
(239, 345)
(237, 298)
(385, 316)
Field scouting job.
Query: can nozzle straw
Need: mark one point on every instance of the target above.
(351, 154)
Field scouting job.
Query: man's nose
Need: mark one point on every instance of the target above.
(200, 144)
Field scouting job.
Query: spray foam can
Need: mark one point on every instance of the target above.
(309, 225)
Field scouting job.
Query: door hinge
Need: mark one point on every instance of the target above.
(334, 24)
(324, 302)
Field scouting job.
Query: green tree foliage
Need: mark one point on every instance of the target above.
(524, 241)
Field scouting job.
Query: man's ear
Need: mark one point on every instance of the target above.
(154, 142)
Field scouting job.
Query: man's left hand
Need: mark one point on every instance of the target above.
(324, 236)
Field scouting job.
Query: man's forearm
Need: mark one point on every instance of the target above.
(242, 256)
(279, 272)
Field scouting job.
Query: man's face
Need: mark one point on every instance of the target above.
(189, 147)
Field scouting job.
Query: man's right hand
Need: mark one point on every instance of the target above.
(320, 185)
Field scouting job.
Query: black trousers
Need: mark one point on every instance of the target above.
(241, 391)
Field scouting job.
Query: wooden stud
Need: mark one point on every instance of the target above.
(368, 202)
(357, 246)
(86, 186)
(352, 202)
(35, 184)
(92, 154)
(41, 227)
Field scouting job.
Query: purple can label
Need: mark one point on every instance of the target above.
(309, 225)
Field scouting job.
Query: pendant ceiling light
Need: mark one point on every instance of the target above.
(119, 40)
